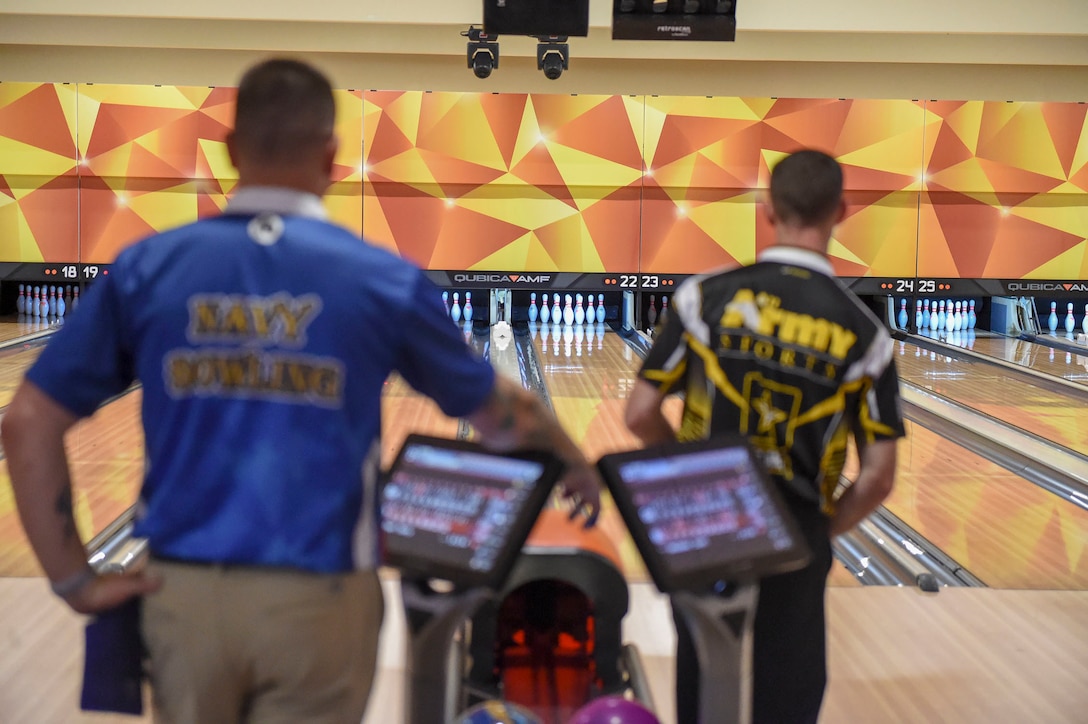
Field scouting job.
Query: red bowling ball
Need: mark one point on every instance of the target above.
(613, 710)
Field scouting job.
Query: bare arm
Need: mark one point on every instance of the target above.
(512, 417)
(644, 416)
(873, 485)
(33, 431)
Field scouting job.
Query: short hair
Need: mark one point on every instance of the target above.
(285, 111)
(806, 188)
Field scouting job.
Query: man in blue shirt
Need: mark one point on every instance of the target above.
(261, 338)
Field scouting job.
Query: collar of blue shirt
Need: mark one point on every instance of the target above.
(276, 200)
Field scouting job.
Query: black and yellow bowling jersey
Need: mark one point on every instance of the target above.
(782, 352)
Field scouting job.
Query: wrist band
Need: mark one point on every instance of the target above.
(73, 584)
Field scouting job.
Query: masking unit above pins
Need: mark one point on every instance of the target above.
(537, 17)
(714, 20)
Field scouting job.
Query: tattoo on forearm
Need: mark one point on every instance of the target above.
(508, 418)
(64, 509)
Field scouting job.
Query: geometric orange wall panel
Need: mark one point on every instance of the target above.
(155, 158)
(152, 158)
(587, 183)
(709, 163)
(481, 181)
(38, 185)
(1006, 191)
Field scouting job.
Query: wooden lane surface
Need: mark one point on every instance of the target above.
(1039, 357)
(12, 327)
(968, 656)
(995, 392)
(14, 362)
(1007, 531)
(589, 395)
(106, 454)
(405, 411)
(963, 656)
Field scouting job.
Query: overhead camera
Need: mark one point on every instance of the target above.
(483, 51)
(552, 55)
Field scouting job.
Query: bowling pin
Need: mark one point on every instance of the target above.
(957, 321)
(557, 312)
(545, 312)
(52, 301)
(446, 301)
(61, 306)
(1084, 323)
(44, 311)
(651, 314)
(942, 318)
(600, 309)
(1052, 321)
(568, 310)
(591, 314)
(1070, 323)
(664, 310)
(20, 301)
(455, 310)
(918, 314)
(467, 311)
(933, 318)
(925, 315)
(971, 318)
(75, 299)
(533, 311)
(902, 314)
(580, 312)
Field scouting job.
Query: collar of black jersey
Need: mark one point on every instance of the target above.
(797, 256)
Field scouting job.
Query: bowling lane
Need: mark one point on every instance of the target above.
(1005, 530)
(588, 377)
(14, 362)
(1071, 366)
(15, 327)
(1008, 397)
(405, 411)
(106, 453)
(588, 383)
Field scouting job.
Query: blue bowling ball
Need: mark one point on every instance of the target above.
(494, 711)
(613, 710)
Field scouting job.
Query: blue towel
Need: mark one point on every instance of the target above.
(113, 669)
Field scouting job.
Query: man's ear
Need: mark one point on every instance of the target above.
(768, 211)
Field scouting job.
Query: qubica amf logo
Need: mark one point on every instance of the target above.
(1079, 287)
(484, 278)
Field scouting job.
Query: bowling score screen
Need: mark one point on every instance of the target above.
(708, 516)
(459, 514)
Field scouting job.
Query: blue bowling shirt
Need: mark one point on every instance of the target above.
(262, 339)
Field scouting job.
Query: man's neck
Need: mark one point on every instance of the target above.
(803, 237)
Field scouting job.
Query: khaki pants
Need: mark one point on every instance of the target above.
(238, 644)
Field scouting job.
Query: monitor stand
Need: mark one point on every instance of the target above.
(721, 632)
(432, 689)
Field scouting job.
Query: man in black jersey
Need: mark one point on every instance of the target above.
(783, 353)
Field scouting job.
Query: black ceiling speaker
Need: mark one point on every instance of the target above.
(537, 17)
